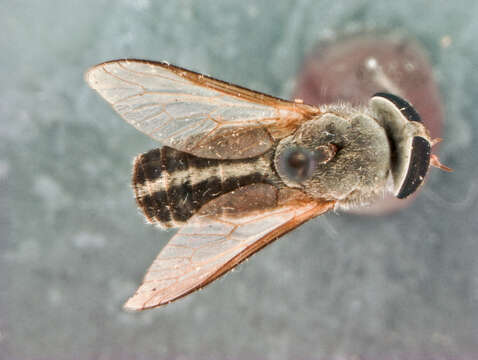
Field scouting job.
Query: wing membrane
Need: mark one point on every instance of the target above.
(187, 110)
(207, 247)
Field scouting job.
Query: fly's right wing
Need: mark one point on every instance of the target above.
(207, 247)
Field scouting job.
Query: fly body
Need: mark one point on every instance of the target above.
(237, 169)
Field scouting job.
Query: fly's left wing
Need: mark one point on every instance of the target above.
(207, 247)
(195, 113)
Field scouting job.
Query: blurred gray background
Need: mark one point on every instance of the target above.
(73, 246)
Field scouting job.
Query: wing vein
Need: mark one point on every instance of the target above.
(124, 80)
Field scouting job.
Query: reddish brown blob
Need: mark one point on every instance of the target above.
(353, 69)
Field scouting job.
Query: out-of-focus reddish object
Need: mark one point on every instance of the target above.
(354, 68)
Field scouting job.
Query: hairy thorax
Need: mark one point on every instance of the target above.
(359, 170)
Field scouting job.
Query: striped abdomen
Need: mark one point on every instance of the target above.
(171, 185)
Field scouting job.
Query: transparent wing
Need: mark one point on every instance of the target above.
(207, 247)
(190, 111)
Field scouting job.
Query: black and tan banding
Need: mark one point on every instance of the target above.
(171, 185)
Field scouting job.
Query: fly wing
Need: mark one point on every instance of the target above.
(193, 112)
(207, 247)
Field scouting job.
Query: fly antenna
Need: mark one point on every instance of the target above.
(436, 141)
(435, 162)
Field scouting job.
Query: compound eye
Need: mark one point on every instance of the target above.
(412, 151)
(407, 110)
(418, 163)
(297, 163)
